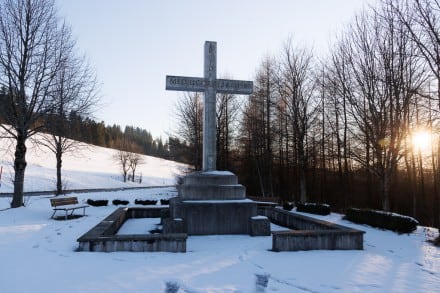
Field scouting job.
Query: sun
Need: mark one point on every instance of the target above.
(421, 140)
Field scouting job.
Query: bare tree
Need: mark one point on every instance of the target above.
(296, 89)
(134, 160)
(189, 115)
(227, 116)
(422, 19)
(33, 46)
(74, 91)
(385, 76)
(257, 127)
(122, 157)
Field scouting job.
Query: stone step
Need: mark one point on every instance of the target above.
(211, 178)
(212, 192)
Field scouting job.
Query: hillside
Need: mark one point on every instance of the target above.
(90, 167)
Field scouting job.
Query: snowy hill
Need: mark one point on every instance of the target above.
(89, 167)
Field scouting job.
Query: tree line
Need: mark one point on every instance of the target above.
(87, 130)
(339, 128)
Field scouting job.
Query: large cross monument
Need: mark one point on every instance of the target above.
(211, 201)
(210, 85)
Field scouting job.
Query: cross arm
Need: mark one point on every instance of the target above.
(239, 87)
(185, 83)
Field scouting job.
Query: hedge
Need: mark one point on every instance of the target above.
(120, 202)
(98, 202)
(145, 202)
(314, 208)
(383, 220)
(288, 206)
(164, 201)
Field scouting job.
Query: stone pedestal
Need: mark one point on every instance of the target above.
(260, 226)
(213, 203)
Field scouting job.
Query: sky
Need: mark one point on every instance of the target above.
(133, 44)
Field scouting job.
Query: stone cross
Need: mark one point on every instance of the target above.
(210, 85)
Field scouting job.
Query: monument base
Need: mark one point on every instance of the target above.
(211, 203)
(211, 217)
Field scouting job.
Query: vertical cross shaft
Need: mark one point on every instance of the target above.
(209, 112)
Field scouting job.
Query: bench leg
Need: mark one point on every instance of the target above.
(53, 214)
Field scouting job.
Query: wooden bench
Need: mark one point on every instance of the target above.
(66, 204)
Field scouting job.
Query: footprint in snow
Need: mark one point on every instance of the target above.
(429, 272)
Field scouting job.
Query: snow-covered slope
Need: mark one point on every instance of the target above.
(89, 167)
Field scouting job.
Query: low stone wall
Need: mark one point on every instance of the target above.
(103, 236)
(310, 234)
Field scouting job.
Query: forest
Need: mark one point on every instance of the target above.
(356, 128)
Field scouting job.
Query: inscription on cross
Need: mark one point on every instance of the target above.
(210, 85)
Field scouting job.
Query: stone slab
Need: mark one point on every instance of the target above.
(211, 218)
(317, 240)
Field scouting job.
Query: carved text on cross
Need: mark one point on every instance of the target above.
(210, 86)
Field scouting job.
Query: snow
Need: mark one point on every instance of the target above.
(219, 201)
(259, 218)
(220, 173)
(39, 254)
(89, 167)
(316, 204)
(139, 226)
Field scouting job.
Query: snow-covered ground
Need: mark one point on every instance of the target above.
(39, 254)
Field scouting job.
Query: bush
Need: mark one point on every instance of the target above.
(145, 202)
(437, 241)
(383, 220)
(164, 202)
(314, 208)
(97, 203)
(120, 202)
(288, 206)
(156, 231)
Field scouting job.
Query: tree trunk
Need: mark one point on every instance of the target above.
(385, 191)
(20, 167)
(302, 172)
(132, 174)
(58, 155)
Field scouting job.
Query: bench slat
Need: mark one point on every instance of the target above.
(63, 201)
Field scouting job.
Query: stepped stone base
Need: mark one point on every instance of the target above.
(212, 203)
(214, 185)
